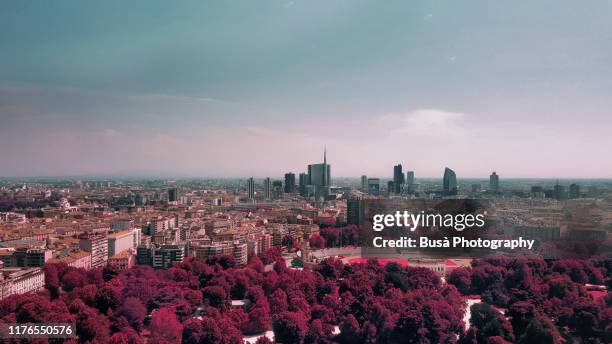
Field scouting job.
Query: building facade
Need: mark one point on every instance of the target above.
(97, 245)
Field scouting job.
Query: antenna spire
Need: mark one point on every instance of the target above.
(325, 155)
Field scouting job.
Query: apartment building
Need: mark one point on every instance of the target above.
(97, 245)
(20, 281)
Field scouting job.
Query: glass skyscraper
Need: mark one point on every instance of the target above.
(449, 182)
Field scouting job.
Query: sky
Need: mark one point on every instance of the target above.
(259, 88)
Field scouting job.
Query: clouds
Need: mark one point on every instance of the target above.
(427, 121)
(425, 140)
(244, 88)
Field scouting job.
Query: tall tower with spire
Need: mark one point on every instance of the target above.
(320, 175)
(325, 176)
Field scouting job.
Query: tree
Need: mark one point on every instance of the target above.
(215, 296)
(229, 333)
(73, 279)
(201, 331)
(165, 327)
(297, 262)
(350, 331)
(290, 242)
(126, 336)
(256, 264)
(317, 333)
(107, 298)
(278, 301)
(90, 325)
(540, 330)
(462, 279)
(52, 282)
(330, 268)
(290, 328)
(521, 313)
(272, 255)
(263, 340)
(134, 311)
(316, 241)
(490, 323)
(258, 318)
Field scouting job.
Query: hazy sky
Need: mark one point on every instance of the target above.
(240, 88)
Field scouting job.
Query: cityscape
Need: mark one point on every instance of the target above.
(221, 242)
(305, 172)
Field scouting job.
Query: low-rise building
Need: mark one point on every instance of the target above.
(236, 249)
(119, 242)
(163, 256)
(79, 259)
(121, 261)
(20, 281)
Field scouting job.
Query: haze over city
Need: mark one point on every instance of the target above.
(156, 89)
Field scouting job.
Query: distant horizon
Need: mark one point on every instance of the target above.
(280, 177)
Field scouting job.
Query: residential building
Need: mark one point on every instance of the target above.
(97, 245)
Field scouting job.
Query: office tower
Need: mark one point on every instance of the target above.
(398, 178)
(364, 183)
(354, 211)
(494, 182)
(390, 187)
(449, 182)
(289, 182)
(277, 189)
(574, 191)
(251, 188)
(410, 186)
(374, 186)
(410, 178)
(559, 192)
(172, 195)
(304, 180)
(267, 188)
(320, 176)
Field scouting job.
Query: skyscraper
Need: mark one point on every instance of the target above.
(320, 176)
(267, 188)
(251, 188)
(494, 182)
(398, 179)
(449, 182)
(410, 181)
(574, 191)
(304, 180)
(364, 183)
(374, 186)
(172, 195)
(277, 189)
(289, 182)
(390, 187)
(319, 173)
(354, 211)
(410, 178)
(559, 191)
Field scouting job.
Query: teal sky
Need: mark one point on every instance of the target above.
(240, 88)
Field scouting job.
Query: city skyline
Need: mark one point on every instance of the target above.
(305, 171)
(196, 90)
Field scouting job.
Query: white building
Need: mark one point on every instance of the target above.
(20, 281)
